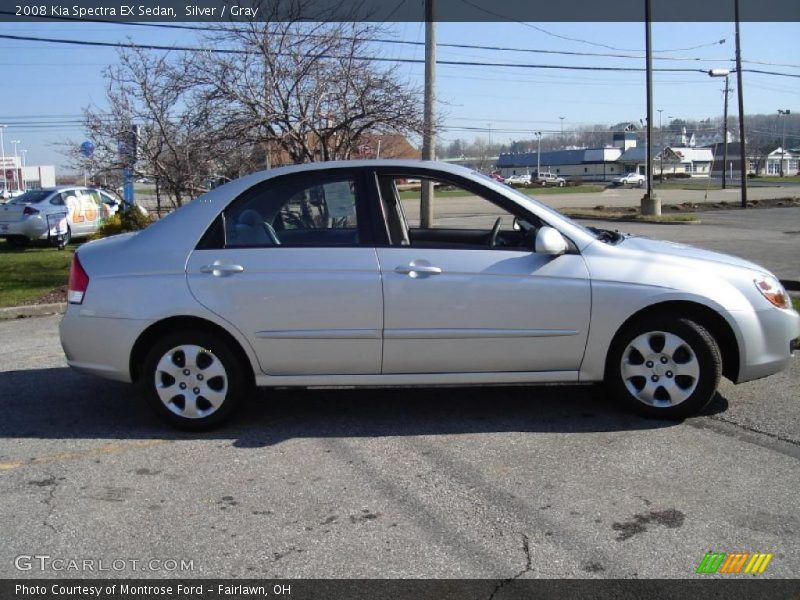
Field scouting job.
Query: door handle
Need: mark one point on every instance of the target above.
(414, 269)
(219, 269)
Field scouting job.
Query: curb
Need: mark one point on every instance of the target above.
(32, 310)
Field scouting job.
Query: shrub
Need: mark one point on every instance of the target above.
(122, 222)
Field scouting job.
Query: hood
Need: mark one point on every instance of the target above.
(685, 251)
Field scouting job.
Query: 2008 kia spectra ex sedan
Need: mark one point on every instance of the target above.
(336, 274)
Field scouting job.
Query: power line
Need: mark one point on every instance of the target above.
(581, 41)
(236, 51)
(450, 45)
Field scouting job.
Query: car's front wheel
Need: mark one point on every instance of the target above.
(194, 380)
(664, 367)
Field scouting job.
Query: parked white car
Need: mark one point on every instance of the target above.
(518, 179)
(320, 275)
(636, 179)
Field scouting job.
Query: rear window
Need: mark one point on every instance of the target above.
(30, 197)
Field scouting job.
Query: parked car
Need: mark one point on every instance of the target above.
(497, 177)
(32, 216)
(545, 179)
(311, 275)
(636, 179)
(518, 180)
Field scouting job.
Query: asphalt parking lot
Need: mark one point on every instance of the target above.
(495, 482)
(461, 482)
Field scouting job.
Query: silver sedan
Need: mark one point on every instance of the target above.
(338, 274)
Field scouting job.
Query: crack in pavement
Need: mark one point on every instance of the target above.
(528, 567)
(52, 485)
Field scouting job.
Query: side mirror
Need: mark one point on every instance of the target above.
(550, 241)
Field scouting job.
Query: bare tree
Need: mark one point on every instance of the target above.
(302, 91)
(175, 144)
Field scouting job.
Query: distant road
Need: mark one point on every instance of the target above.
(632, 196)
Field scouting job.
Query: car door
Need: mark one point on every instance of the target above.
(291, 264)
(455, 304)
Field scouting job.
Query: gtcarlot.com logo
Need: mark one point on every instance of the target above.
(45, 562)
(733, 563)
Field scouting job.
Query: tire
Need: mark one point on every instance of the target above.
(216, 385)
(664, 366)
(18, 241)
(561, 184)
(641, 183)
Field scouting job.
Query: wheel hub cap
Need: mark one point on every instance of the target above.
(660, 369)
(191, 381)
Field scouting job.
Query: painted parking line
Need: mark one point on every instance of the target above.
(105, 450)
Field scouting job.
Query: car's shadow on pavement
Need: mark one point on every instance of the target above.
(58, 403)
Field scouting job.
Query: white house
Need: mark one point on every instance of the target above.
(790, 159)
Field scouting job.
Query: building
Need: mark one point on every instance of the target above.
(771, 165)
(768, 166)
(696, 162)
(583, 164)
(13, 176)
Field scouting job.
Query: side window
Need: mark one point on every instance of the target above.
(454, 208)
(462, 219)
(57, 200)
(295, 214)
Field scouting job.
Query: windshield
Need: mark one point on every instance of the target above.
(30, 197)
(555, 213)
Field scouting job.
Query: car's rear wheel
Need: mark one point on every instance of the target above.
(664, 367)
(194, 380)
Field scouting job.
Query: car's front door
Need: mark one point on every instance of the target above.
(460, 297)
(291, 264)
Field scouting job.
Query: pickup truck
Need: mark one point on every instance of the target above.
(636, 179)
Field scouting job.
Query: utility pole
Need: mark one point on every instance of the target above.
(428, 134)
(723, 73)
(650, 204)
(784, 114)
(740, 90)
(725, 136)
(539, 153)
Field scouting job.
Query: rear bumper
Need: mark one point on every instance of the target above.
(30, 228)
(98, 345)
(768, 341)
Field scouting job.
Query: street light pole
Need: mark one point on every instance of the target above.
(16, 158)
(562, 130)
(24, 164)
(538, 153)
(3, 158)
(784, 114)
(650, 204)
(660, 146)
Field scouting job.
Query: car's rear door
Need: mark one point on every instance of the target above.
(291, 265)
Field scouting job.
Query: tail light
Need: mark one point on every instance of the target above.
(29, 210)
(78, 282)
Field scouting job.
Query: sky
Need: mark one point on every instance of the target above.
(53, 83)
